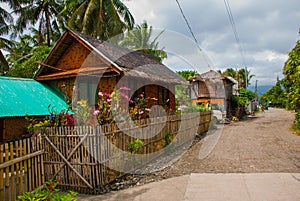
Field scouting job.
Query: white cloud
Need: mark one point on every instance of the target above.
(267, 29)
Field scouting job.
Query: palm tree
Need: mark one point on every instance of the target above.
(5, 44)
(139, 39)
(98, 18)
(244, 77)
(45, 14)
(230, 72)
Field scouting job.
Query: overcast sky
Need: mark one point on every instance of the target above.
(267, 29)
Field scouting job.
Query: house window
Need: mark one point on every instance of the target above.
(87, 90)
(163, 96)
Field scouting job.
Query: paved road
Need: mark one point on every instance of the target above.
(256, 159)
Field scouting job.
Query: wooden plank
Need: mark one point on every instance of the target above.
(6, 172)
(19, 159)
(1, 173)
(18, 171)
(12, 173)
(21, 166)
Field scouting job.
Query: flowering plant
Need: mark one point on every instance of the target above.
(106, 111)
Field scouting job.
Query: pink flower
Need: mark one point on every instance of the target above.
(105, 94)
(96, 112)
(142, 95)
(124, 95)
(141, 112)
(109, 100)
(131, 101)
(125, 88)
(148, 109)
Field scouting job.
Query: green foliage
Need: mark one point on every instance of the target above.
(291, 80)
(82, 112)
(194, 108)
(242, 76)
(168, 138)
(41, 125)
(26, 62)
(187, 74)
(47, 193)
(139, 39)
(182, 95)
(244, 97)
(296, 125)
(276, 95)
(135, 145)
(101, 19)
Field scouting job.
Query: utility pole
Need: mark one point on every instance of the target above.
(255, 90)
(246, 77)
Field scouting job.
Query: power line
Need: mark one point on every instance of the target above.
(236, 35)
(191, 31)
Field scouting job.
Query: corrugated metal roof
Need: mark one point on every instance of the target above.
(20, 96)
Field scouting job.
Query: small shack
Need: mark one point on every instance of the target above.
(20, 97)
(81, 66)
(212, 87)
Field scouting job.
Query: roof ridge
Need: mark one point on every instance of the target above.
(16, 78)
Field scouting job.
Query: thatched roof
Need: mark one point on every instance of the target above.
(121, 60)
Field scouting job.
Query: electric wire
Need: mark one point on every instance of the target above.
(235, 32)
(192, 33)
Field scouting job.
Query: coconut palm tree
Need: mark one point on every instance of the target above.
(5, 44)
(140, 39)
(41, 13)
(98, 18)
(242, 76)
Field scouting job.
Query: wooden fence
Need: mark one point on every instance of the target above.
(86, 158)
(21, 168)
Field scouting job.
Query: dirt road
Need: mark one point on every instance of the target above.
(263, 143)
(260, 144)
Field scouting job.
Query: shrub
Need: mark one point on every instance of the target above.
(296, 125)
(47, 193)
(134, 145)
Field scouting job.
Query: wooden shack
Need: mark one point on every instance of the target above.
(81, 66)
(212, 87)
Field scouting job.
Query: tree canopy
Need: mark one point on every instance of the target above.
(139, 39)
(242, 76)
(291, 80)
(187, 74)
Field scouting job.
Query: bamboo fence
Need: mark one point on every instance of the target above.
(21, 167)
(87, 158)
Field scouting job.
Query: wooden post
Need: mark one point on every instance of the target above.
(1, 172)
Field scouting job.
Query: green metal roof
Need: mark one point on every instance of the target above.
(20, 96)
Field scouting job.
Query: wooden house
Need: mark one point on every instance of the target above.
(212, 87)
(81, 66)
(20, 97)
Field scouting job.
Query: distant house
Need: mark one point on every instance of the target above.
(212, 87)
(20, 97)
(81, 66)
